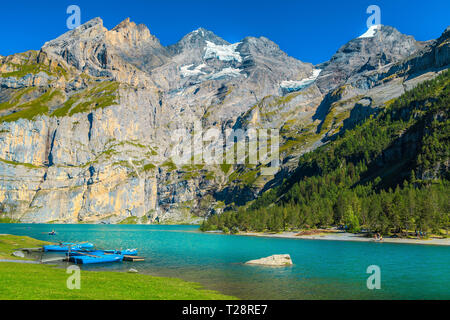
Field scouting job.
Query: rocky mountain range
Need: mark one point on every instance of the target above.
(86, 123)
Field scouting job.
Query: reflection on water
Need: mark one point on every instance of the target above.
(322, 269)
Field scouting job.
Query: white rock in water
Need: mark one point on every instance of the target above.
(133, 271)
(275, 260)
(18, 254)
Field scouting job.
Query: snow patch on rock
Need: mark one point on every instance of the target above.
(226, 72)
(188, 71)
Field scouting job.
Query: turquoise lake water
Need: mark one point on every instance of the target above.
(322, 269)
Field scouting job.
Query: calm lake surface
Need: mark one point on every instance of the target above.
(322, 270)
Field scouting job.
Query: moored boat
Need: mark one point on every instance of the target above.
(127, 252)
(83, 258)
(64, 247)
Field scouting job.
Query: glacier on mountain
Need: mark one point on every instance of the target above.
(222, 52)
(293, 85)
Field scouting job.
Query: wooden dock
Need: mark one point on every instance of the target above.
(133, 258)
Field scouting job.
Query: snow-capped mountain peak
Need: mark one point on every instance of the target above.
(370, 33)
(196, 39)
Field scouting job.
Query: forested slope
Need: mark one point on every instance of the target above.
(389, 175)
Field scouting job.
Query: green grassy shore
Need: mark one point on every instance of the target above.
(42, 282)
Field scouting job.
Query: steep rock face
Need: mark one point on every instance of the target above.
(367, 73)
(121, 53)
(78, 176)
(385, 47)
(134, 44)
(434, 55)
(261, 57)
(84, 48)
(87, 123)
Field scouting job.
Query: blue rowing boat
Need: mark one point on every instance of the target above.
(84, 253)
(80, 258)
(64, 247)
(100, 256)
(127, 252)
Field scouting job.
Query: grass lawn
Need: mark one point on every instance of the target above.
(42, 282)
(10, 243)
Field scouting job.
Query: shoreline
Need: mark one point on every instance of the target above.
(33, 280)
(344, 236)
(20, 261)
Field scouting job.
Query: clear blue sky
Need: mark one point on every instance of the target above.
(309, 30)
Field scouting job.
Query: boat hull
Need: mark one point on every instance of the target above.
(127, 252)
(83, 259)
